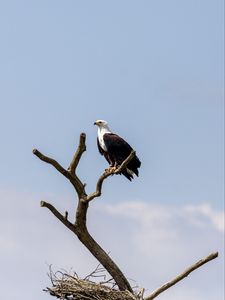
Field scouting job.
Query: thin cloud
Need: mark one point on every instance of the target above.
(164, 215)
(204, 214)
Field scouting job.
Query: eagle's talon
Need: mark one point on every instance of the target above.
(113, 169)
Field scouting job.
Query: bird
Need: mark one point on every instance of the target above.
(115, 150)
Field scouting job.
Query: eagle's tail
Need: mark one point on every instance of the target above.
(132, 168)
(128, 174)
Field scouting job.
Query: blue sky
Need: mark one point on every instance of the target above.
(155, 71)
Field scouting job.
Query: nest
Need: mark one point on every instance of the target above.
(71, 287)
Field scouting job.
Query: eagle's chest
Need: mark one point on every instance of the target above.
(101, 142)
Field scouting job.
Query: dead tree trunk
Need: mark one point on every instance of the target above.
(79, 228)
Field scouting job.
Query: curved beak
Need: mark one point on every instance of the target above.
(95, 123)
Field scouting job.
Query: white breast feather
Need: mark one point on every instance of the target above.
(101, 133)
(101, 142)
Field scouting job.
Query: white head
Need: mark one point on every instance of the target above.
(102, 125)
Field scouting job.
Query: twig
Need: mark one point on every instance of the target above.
(141, 294)
(182, 276)
(107, 173)
(66, 214)
(96, 271)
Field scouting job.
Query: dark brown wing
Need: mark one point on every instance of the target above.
(119, 149)
(117, 146)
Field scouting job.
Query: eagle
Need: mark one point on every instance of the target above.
(115, 150)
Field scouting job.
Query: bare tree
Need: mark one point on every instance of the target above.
(79, 228)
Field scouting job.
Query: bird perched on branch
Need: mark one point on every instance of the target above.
(116, 150)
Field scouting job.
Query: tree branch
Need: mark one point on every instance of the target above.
(107, 173)
(182, 276)
(52, 162)
(58, 215)
(80, 150)
(98, 191)
(76, 182)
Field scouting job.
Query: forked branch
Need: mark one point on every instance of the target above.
(79, 227)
